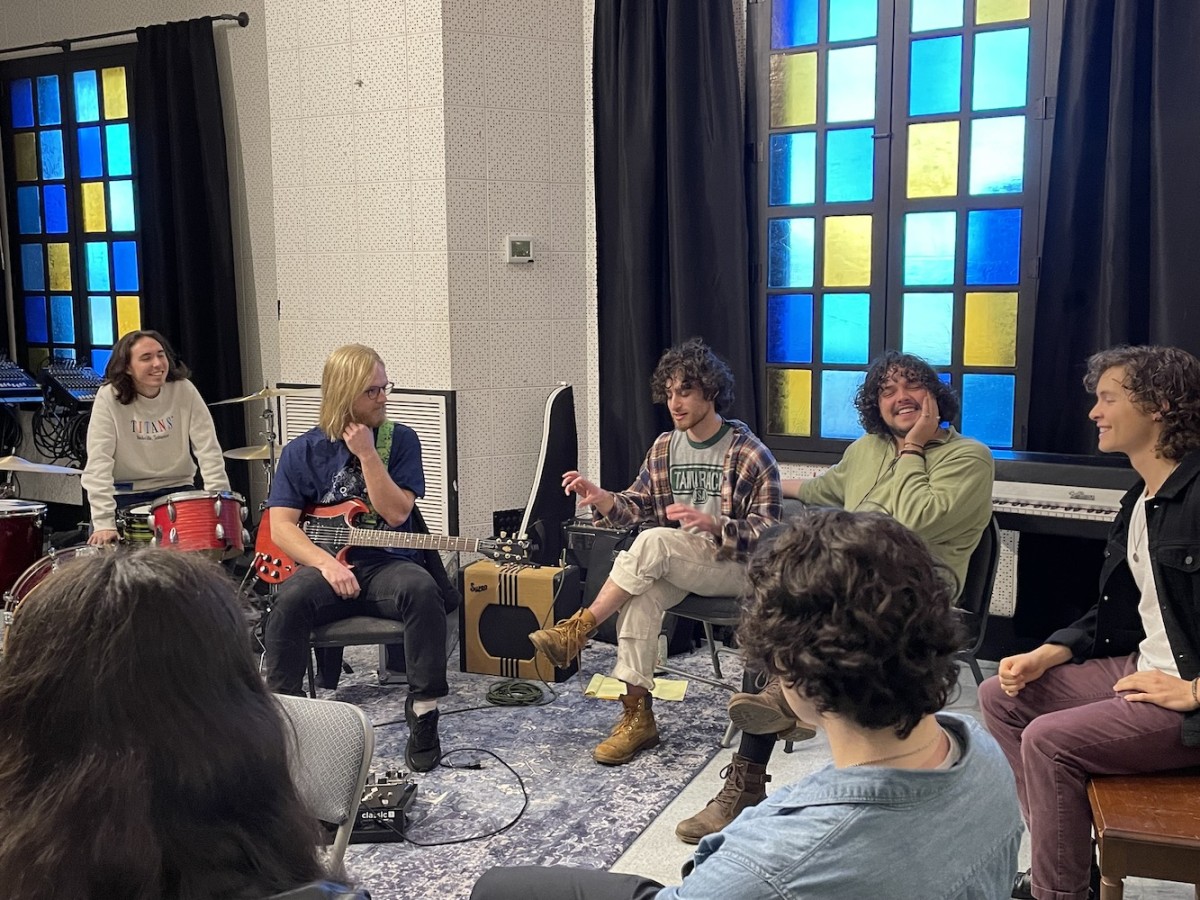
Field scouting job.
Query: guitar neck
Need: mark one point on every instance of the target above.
(366, 537)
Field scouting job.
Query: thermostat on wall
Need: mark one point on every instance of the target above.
(518, 248)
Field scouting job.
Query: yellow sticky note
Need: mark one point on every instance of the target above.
(669, 689)
(603, 687)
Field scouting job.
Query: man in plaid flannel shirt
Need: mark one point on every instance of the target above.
(711, 488)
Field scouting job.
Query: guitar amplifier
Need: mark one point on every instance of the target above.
(501, 606)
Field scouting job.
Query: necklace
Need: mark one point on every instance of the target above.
(1136, 538)
(870, 762)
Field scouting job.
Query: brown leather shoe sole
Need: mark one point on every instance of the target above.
(754, 717)
(652, 741)
(544, 643)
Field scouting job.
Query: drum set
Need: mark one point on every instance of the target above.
(206, 522)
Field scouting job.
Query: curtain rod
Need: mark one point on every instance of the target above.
(242, 18)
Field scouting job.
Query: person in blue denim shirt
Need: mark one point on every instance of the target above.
(852, 613)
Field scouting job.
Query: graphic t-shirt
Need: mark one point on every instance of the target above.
(314, 470)
(698, 470)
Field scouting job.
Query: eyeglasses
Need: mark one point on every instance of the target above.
(375, 390)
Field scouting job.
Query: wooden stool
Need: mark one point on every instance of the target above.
(1147, 826)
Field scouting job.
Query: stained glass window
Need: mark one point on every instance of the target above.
(70, 138)
(901, 149)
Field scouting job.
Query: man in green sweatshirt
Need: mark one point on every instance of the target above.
(912, 465)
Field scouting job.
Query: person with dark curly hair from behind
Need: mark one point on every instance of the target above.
(141, 756)
(712, 478)
(1131, 700)
(851, 611)
(912, 465)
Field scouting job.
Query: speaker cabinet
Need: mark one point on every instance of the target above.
(501, 606)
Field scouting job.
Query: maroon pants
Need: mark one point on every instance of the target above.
(1060, 729)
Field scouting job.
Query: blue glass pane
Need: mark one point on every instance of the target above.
(845, 328)
(998, 155)
(850, 20)
(36, 325)
(791, 253)
(929, 15)
(64, 353)
(935, 76)
(987, 402)
(96, 262)
(91, 165)
(1001, 69)
(125, 265)
(101, 316)
(49, 109)
(839, 418)
(929, 248)
(120, 199)
(56, 208)
(33, 268)
(793, 172)
(62, 320)
(100, 359)
(117, 137)
(29, 210)
(851, 84)
(87, 105)
(22, 103)
(51, 146)
(849, 165)
(793, 23)
(928, 327)
(789, 328)
(994, 246)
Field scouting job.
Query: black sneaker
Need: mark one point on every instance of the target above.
(1022, 885)
(423, 749)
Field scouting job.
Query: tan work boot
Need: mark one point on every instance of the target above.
(562, 643)
(636, 731)
(767, 712)
(745, 785)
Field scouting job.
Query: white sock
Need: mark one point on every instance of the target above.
(421, 707)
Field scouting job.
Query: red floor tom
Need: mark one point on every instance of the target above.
(20, 538)
(200, 521)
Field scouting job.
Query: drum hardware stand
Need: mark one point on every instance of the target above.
(268, 417)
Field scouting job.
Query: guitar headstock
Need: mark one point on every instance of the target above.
(505, 549)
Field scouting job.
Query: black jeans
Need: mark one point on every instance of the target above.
(390, 589)
(561, 883)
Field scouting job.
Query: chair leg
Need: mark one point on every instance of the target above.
(731, 731)
(975, 670)
(788, 746)
(712, 649)
(312, 677)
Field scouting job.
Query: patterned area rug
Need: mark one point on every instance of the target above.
(579, 812)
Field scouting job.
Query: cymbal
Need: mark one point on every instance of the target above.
(16, 464)
(254, 451)
(268, 392)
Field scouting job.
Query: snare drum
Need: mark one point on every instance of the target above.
(134, 525)
(200, 521)
(36, 574)
(20, 538)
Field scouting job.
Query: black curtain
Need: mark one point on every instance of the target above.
(671, 236)
(189, 291)
(1119, 258)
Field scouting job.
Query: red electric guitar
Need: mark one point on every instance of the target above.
(332, 528)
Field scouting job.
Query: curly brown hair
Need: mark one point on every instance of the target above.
(694, 364)
(116, 374)
(853, 609)
(906, 365)
(1163, 380)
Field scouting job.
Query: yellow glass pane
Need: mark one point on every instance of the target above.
(793, 89)
(848, 251)
(94, 218)
(59, 257)
(933, 159)
(38, 357)
(116, 103)
(789, 401)
(129, 315)
(990, 329)
(25, 149)
(1000, 11)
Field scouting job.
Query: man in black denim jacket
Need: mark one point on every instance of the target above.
(1130, 702)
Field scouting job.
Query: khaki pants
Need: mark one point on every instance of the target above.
(662, 567)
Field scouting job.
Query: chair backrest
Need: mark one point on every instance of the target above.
(330, 751)
(976, 594)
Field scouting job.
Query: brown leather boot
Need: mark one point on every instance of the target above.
(636, 731)
(745, 785)
(562, 643)
(767, 712)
